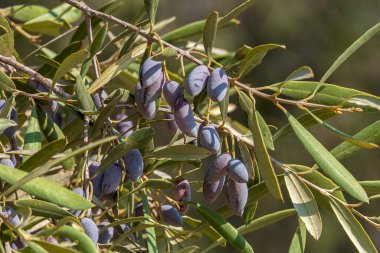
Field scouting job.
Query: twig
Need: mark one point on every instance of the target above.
(47, 82)
(152, 38)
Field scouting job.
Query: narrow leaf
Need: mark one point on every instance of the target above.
(33, 136)
(98, 40)
(299, 240)
(70, 61)
(262, 156)
(180, 153)
(304, 203)
(6, 38)
(43, 208)
(85, 100)
(328, 163)
(151, 9)
(151, 233)
(209, 33)
(6, 83)
(302, 73)
(235, 12)
(369, 134)
(353, 228)
(223, 227)
(115, 68)
(267, 135)
(254, 57)
(85, 244)
(44, 189)
(43, 155)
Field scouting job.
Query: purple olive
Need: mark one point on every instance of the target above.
(52, 240)
(208, 138)
(197, 80)
(184, 118)
(97, 181)
(11, 216)
(10, 131)
(171, 124)
(134, 164)
(80, 192)
(212, 190)
(182, 192)
(139, 209)
(217, 167)
(124, 127)
(105, 236)
(237, 194)
(18, 244)
(217, 85)
(7, 162)
(147, 110)
(90, 229)
(150, 72)
(111, 179)
(125, 229)
(172, 91)
(237, 171)
(153, 92)
(171, 216)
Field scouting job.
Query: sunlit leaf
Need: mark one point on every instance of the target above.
(180, 153)
(299, 240)
(209, 32)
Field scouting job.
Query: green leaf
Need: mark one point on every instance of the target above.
(370, 134)
(5, 124)
(305, 120)
(371, 186)
(52, 132)
(151, 9)
(6, 39)
(44, 189)
(43, 208)
(267, 135)
(70, 62)
(352, 227)
(365, 101)
(85, 244)
(48, 27)
(54, 247)
(224, 107)
(254, 57)
(329, 94)
(328, 163)
(302, 73)
(317, 178)
(304, 203)
(209, 33)
(223, 227)
(35, 247)
(115, 68)
(7, 107)
(98, 40)
(84, 97)
(136, 140)
(25, 13)
(235, 12)
(43, 155)
(209, 232)
(191, 29)
(262, 156)
(299, 240)
(347, 137)
(247, 159)
(151, 233)
(33, 137)
(349, 51)
(180, 153)
(189, 249)
(257, 224)
(6, 83)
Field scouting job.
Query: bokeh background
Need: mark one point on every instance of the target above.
(315, 34)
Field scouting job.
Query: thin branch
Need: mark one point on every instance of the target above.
(88, 11)
(47, 82)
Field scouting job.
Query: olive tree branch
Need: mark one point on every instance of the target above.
(88, 11)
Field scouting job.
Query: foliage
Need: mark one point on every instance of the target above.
(79, 164)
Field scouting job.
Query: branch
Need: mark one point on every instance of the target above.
(88, 11)
(47, 82)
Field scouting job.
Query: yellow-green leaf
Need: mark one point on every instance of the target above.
(209, 32)
(68, 63)
(33, 136)
(6, 38)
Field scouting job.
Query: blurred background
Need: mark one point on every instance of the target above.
(315, 34)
